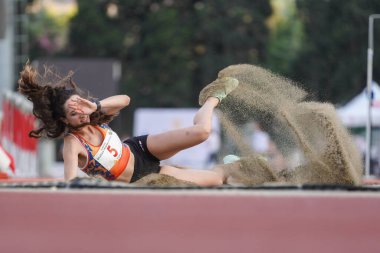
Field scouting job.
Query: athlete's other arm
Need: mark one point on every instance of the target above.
(114, 104)
(70, 157)
(109, 106)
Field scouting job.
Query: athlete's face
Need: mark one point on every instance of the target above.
(73, 117)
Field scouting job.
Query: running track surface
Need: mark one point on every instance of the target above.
(181, 221)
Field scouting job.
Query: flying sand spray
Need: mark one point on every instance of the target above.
(315, 146)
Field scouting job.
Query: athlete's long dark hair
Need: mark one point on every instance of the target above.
(48, 93)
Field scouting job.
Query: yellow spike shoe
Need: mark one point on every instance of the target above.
(219, 88)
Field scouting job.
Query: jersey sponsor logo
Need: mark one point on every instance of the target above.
(141, 146)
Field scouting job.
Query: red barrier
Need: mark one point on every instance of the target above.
(18, 121)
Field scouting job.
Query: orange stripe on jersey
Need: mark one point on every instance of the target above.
(120, 166)
(93, 167)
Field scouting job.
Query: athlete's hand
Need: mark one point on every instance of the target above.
(82, 106)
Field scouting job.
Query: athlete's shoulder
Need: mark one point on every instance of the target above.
(69, 137)
(70, 145)
(70, 140)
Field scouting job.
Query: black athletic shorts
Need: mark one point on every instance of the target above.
(145, 162)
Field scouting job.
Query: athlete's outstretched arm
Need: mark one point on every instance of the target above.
(70, 158)
(110, 105)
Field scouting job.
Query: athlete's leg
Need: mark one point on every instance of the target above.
(168, 144)
(199, 177)
(165, 145)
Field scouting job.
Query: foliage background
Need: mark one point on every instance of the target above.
(170, 49)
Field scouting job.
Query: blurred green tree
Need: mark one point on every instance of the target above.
(170, 49)
(47, 29)
(333, 59)
(286, 36)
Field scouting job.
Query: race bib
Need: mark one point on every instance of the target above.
(110, 151)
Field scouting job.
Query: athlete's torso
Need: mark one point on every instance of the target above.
(104, 154)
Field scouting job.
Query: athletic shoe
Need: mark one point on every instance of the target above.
(219, 88)
(230, 159)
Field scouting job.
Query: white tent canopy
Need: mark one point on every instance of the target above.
(355, 112)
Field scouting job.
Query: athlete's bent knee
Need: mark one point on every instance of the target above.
(202, 133)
